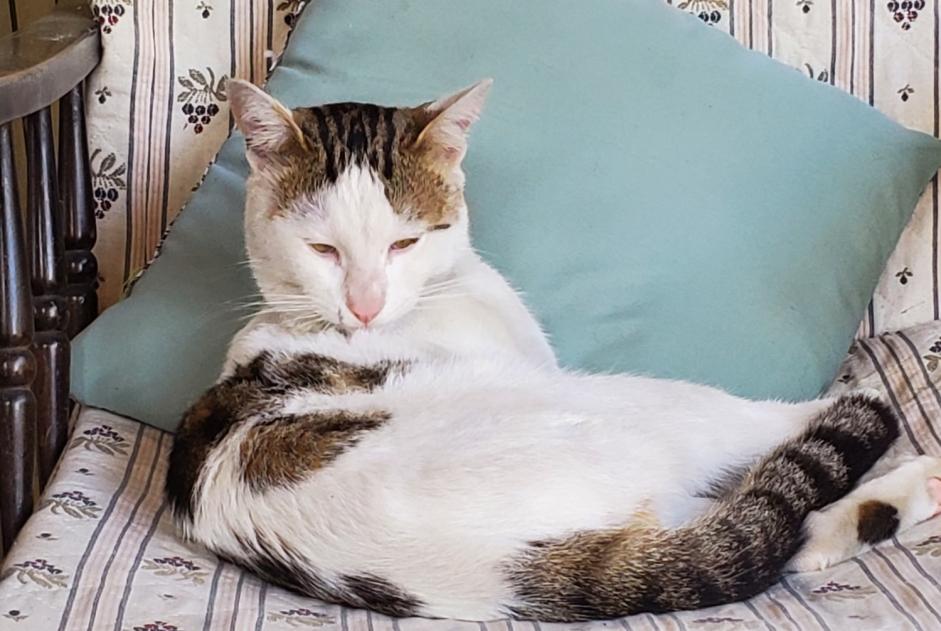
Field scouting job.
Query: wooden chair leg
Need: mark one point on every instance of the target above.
(17, 368)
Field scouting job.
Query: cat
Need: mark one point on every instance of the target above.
(392, 430)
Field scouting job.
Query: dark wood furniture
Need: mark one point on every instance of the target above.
(48, 273)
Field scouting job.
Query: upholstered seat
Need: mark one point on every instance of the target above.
(100, 551)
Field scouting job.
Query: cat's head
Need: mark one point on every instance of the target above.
(354, 210)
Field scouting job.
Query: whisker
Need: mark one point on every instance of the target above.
(443, 292)
(440, 298)
(442, 285)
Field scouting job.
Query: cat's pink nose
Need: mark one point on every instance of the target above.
(365, 307)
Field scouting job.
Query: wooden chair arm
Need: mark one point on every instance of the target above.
(43, 61)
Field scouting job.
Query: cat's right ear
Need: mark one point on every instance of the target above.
(268, 126)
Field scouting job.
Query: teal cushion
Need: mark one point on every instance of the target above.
(670, 203)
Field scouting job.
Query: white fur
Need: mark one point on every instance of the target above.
(475, 310)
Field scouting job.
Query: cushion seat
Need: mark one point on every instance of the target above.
(100, 551)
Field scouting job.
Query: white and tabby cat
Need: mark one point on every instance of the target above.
(392, 430)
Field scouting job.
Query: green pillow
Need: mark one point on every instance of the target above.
(670, 203)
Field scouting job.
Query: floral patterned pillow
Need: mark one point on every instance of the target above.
(157, 111)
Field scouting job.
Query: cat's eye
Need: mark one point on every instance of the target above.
(440, 226)
(403, 244)
(323, 248)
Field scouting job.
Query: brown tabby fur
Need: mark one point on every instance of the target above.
(877, 521)
(280, 448)
(383, 138)
(287, 448)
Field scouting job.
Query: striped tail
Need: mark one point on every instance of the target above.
(736, 551)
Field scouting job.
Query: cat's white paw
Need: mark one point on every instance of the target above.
(872, 393)
(830, 538)
(873, 512)
(922, 480)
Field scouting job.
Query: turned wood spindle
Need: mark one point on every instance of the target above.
(17, 368)
(75, 191)
(50, 340)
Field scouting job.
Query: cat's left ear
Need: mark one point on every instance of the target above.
(445, 136)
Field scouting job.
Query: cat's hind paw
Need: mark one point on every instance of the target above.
(871, 393)
(873, 512)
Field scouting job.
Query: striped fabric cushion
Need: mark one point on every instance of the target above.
(157, 111)
(100, 553)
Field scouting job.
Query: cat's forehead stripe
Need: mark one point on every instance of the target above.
(326, 142)
(390, 133)
(356, 133)
(344, 135)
